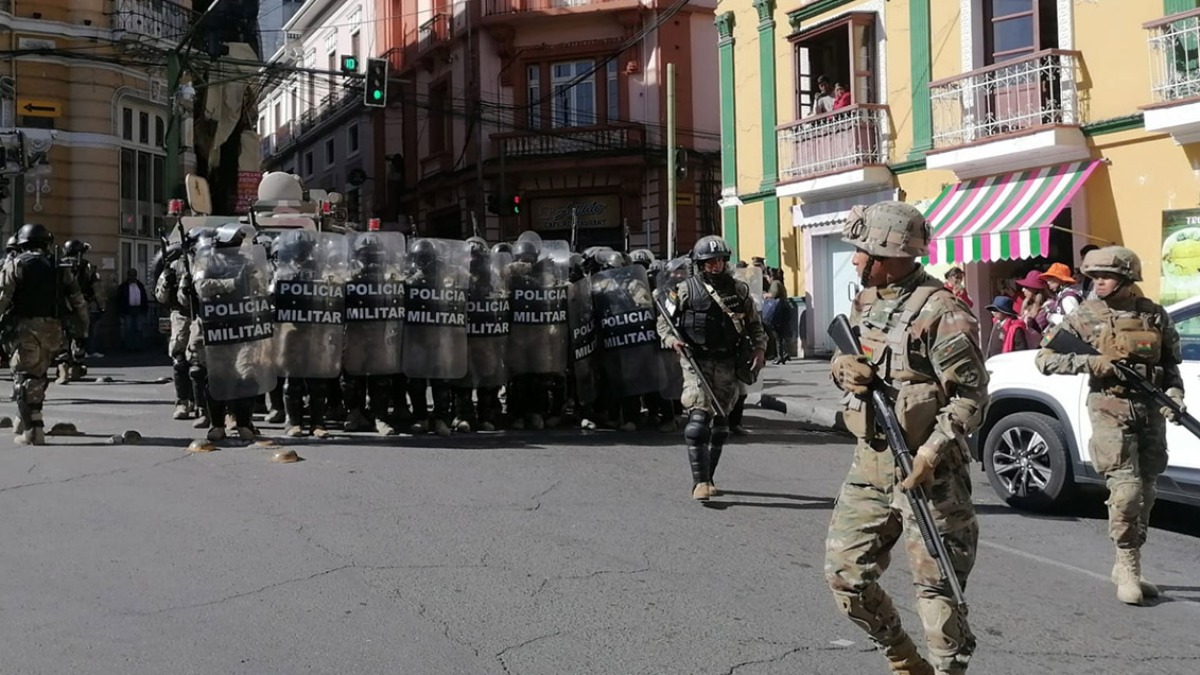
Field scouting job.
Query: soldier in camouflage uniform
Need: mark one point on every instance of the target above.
(39, 301)
(919, 342)
(72, 367)
(1128, 444)
(713, 312)
(166, 291)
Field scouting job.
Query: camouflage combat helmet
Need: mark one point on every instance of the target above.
(888, 230)
(1114, 260)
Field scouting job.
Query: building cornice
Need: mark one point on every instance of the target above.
(55, 28)
(813, 9)
(724, 24)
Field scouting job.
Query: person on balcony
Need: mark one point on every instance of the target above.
(824, 102)
(841, 97)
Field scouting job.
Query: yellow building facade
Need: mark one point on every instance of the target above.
(1024, 129)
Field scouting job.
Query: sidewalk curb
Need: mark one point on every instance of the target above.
(807, 411)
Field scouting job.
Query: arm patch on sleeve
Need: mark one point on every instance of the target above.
(957, 361)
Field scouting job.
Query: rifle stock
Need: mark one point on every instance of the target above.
(1066, 342)
(844, 337)
(687, 355)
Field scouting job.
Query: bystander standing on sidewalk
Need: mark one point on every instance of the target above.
(132, 303)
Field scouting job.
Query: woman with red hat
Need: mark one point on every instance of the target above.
(1066, 296)
(1033, 305)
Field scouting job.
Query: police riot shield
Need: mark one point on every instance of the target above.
(583, 339)
(435, 310)
(375, 304)
(752, 276)
(530, 235)
(309, 292)
(489, 316)
(232, 286)
(627, 328)
(538, 341)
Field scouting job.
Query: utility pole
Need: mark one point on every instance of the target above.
(672, 178)
(172, 169)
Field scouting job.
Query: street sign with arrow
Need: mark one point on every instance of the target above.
(34, 108)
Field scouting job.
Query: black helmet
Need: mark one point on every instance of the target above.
(297, 248)
(525, 251)
(33, 235)
(478, 246)
(711, 247)
(502, 247)
(422, 252)
(11, 245)
(642, 256)
(230, 235)
(74, 247)
(611, 260)
(196, 234)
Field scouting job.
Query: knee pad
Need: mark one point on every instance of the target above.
(697, 431)
(20, 383)
(1125, 498)
(180, 365)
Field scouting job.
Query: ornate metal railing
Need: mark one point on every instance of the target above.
(159, 19)
(492, 7)
(1174, 45)
(574, 140)
(1040, 89)
(434, 31)
(835, 141)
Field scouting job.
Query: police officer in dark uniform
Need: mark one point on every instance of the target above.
(38, 300)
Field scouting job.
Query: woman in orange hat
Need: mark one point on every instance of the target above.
(1066, 296)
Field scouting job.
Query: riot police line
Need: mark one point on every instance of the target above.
(376, 331)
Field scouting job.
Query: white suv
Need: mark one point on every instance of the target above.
(1033, 442)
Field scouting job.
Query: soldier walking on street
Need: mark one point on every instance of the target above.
(1128, 444)
(714, 313)
(919, 344)
(38, 301)
(72, 366)
(166, 291)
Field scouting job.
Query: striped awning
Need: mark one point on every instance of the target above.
(1003, 217)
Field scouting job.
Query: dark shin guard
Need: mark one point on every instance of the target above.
(443, 400)
(199, 376)
(416, 396)
(379, 389)
(697, 434)
(318, 400)
(293, 401)
(720, 433)
(183, 381)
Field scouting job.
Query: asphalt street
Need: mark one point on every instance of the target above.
(525, 553)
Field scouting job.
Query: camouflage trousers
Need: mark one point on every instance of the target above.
(720, 374)
(1129, 448)
(869, 518)
(177, 343)
(34, 345)
(195, 343)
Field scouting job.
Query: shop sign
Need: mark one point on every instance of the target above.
(592, 212)
(1180, 255)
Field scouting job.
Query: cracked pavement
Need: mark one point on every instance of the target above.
(531, 554)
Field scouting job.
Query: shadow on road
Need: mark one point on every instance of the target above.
(1088, 504)
(797, 502)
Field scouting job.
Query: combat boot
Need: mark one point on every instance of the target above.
(247, 433)
(1127, 574)
(201, 422)
(64, 374)
(274, 417)
(319, 431)
(383, 428)
(462, 426)
(181, 410)
(536, 422)
(31, 436)
(701, 491)
(1148, 589)
(356, 421)
(216, 434)
(906, 660)
(441, 428)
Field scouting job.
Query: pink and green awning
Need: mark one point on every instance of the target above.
(1002, 217)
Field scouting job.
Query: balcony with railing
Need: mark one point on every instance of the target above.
(433, 33)
(1174, 46)
(841, 152)
(153, 20)
(592, 140)
(494, 10)
(1011, 115)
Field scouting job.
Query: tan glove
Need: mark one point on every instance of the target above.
(1102, 366)
(924, 462)
(853, 372)
(1176, 395)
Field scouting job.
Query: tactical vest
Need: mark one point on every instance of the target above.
(902, 362)
(705, 325)
(1134, 336)
(38, 293)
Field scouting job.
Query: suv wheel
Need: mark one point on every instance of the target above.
(1026, 461)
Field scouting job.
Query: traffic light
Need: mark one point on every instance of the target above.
(349, 64)
(681, 158)
(375, 91)
(514, 205)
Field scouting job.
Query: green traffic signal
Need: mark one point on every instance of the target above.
(377, 94)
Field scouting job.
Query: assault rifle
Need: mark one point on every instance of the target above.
(687, 355)
(1066, 342)
(885, 414)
